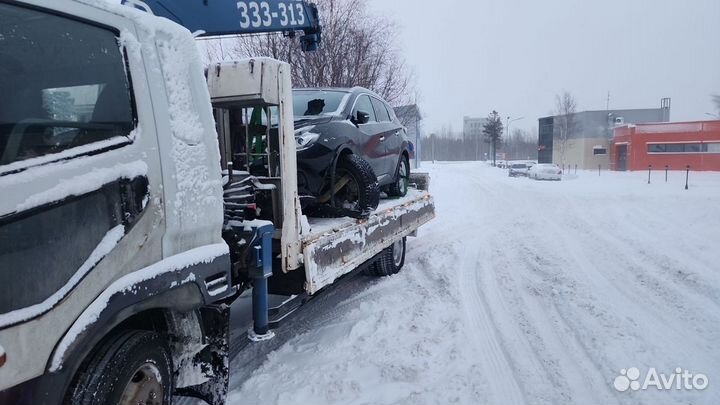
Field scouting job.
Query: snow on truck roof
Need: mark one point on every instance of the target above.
(144, 19)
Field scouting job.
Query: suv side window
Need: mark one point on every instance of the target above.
(63, 83)
(365, 105)
(380, 110)
(391, 111)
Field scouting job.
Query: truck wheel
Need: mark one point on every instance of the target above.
(402, 178)
(133, 368)
(361, 193)
(391, 260)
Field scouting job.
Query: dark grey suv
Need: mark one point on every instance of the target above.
(349, 138)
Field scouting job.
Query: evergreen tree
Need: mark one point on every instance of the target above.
(493, 130)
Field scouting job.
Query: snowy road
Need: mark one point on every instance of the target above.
(518, 292)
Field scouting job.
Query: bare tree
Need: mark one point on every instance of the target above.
(565, 121)
(215, 50)
(716, 100)
(357, 49)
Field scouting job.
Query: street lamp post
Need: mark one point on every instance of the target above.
(509, 121)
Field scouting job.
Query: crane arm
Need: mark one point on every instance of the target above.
(232, 17)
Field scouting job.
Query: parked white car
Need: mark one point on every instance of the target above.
(518, 169)
(530, 166)
(545, 171)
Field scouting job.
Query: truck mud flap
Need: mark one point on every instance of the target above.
(213, 359)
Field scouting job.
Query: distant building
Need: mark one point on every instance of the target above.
(590, 137)
(473, 136)
(676, 145)
(411, 118)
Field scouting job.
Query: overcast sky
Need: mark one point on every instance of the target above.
(473, 56)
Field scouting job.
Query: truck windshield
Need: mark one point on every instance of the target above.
(64, 85)
(318, 102)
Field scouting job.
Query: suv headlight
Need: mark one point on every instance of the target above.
(304, 138)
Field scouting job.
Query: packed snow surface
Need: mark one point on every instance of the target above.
(519, 291)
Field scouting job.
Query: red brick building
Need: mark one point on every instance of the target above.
(676, 144)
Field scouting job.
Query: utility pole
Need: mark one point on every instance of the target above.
(608, 124)
(607, 106)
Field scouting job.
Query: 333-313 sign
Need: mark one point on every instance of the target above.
(262, 14)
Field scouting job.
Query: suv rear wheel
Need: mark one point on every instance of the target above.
(399, 187)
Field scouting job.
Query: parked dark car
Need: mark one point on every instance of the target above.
(350, 138)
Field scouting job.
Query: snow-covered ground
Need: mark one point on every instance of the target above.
(518, 292)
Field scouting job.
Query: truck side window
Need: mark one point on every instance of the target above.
(63, 85)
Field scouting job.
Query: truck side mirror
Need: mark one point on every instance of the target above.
(362, 118)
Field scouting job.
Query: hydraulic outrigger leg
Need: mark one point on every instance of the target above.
(260, 274)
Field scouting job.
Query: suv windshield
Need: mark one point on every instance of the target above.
(317, 102)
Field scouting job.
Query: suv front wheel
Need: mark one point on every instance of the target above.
(359, 191)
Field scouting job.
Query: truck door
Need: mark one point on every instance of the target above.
(75, 173)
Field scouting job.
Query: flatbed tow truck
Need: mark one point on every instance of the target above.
(130, 221)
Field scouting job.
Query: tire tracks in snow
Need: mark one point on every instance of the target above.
(485, 336)
(660, 296)
(515, 293)
(492, 355)
(590, 324)
(623, 295)
(556, 366)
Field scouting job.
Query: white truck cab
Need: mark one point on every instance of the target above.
(112, 206)
(123, 231)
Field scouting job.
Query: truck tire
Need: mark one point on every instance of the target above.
(362, 193)
(133, 367)
(391, 260)
(399, 187)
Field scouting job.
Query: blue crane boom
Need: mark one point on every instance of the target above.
(231, 17)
